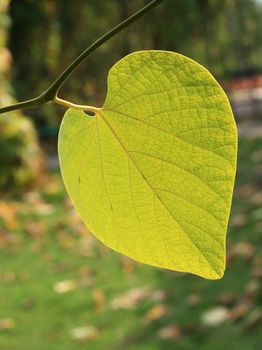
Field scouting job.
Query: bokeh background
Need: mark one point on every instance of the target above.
(59, 287)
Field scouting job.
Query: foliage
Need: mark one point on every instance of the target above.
(20, 156)
(222, 35)
(152, 174)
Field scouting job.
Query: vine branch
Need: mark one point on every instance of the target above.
(51, 93)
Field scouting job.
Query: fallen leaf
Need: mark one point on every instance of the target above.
(99, 299)
(66, 286)
(246, 191)
(172, 331)
(44, 209)
(35, 228)
(256, 198)
(53, 186)
(130, 299)
(8, 212)
(243, 249)
(254, 318)
(156, 312)
(257, 269)
(159, 295)
(86, 279)
(257, 272)
(7, 324)
(252, 287)
(65, 240)
(193, 299)
(258, 171)
(84, 271)
(128, 265)
(32, 197)
(8, 276)
(86, 246)
(226, 298)
(59, 267)
(214, 317)
(238, 220)
(84, 333)
(28, 303)
(240, 310)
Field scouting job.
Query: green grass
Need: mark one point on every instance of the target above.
(60, 249)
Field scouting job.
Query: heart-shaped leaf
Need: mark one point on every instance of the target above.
(152, 173)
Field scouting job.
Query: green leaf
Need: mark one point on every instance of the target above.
(152, 173)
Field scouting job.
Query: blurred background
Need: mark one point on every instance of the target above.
(59, 287)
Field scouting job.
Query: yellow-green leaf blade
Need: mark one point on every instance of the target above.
(152, 174)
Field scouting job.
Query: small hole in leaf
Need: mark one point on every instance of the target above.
(90, 113)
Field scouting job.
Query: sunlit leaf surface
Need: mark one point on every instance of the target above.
(152, 173)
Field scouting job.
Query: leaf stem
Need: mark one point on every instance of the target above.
(51, 93)
(68, 104)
